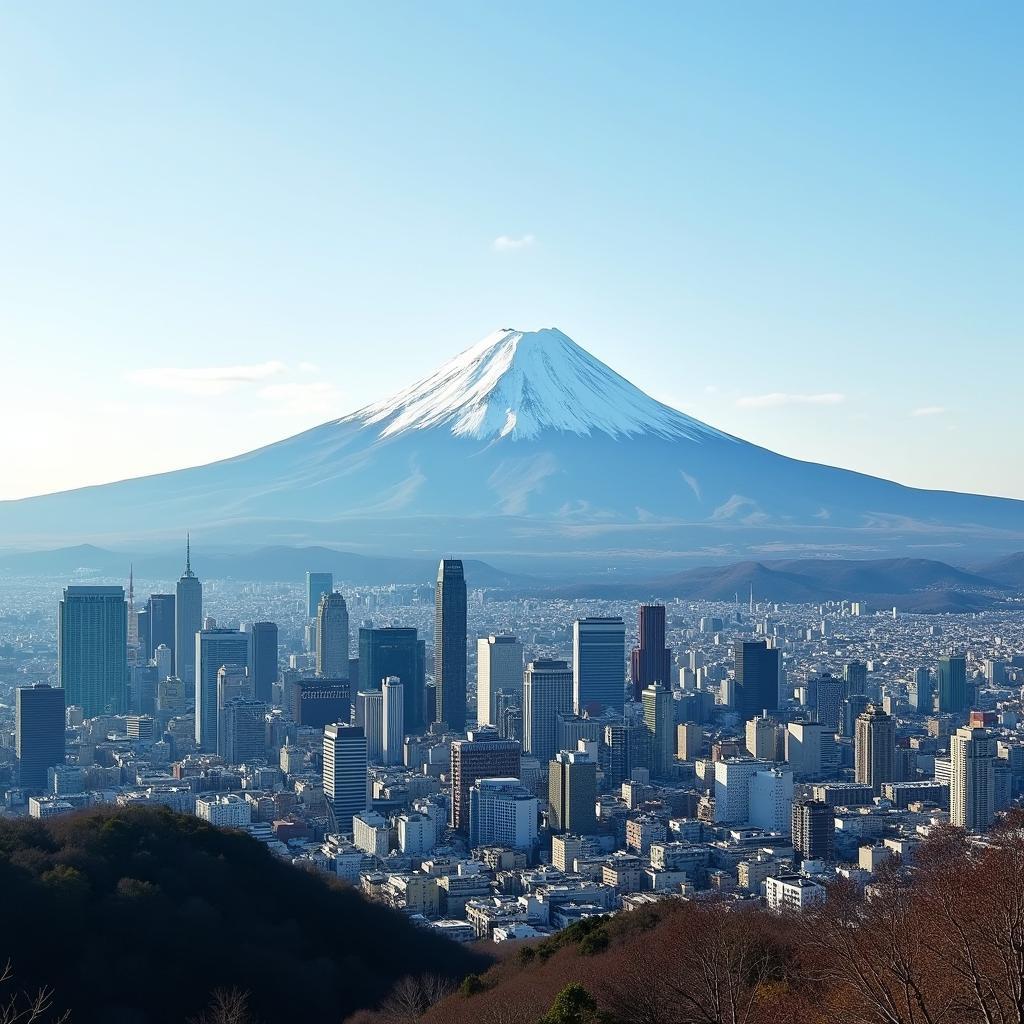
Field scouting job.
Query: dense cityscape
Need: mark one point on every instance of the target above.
(498, 768)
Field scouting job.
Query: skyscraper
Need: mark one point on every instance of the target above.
(212, 649)
(92, 649)
(572, 792)
(159, 628)
(499, 666)
(395, 651)
(972, 754)
(651, 660)
(875, 748)
(188, 620)
(244, 731)
(920, 691)
(393, 725)
(659, 717)
(346, 775)
(829, 692)
(38, 733)
(813, 829)
(233, 684)
(332, 637)
(317, 584)
(757, 677)
(599, 665)
(856, 675)
(484, 755)
(954, 696)
(370, 715)
(547, 691)
(263, 663)
(450, 643)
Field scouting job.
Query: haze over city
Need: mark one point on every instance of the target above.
(511, 515)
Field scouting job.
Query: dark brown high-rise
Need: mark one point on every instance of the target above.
(651, 660)
(450, 643)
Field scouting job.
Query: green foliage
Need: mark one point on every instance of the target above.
(578, 932)
(471, 985)
(573, 1005)
(594, 942)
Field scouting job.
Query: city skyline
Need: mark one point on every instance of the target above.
(744, 233)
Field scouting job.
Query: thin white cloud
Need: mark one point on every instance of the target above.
(929, 410)
(777, 399)
(507, 243)
(206, 380)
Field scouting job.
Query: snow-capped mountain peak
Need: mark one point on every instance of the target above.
(517, 384)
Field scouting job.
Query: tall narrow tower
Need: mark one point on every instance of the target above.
(651, 660)
(450, 643)
(188, 620)
(332, 637)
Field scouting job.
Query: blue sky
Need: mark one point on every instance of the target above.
(222, 223)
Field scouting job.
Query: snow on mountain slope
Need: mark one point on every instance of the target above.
(517, 384)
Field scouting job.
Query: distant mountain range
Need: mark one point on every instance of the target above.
(274, 564)
(527, 451)
(912, 584)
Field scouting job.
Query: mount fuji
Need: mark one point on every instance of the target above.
(523, 448)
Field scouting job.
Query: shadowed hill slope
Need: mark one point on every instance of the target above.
(139, 915)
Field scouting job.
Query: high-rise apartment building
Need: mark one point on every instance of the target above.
(875, 748)
(188, 621)
(395, 651)
(317, 584)
(214, 648)
(502, 812)
(484, 755)
(92, 649)
(499, 666)
(572, 792)
(346, 774)
(771, 800)
(263, 663)
(757, 677)
(547, 691)
(813, 828)
(393, 722)
(450, 643)
(732, 787)
(972, 753)
(599, 665)
(38, 733)
(954, 695)
(332, 637)
(650, 660)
